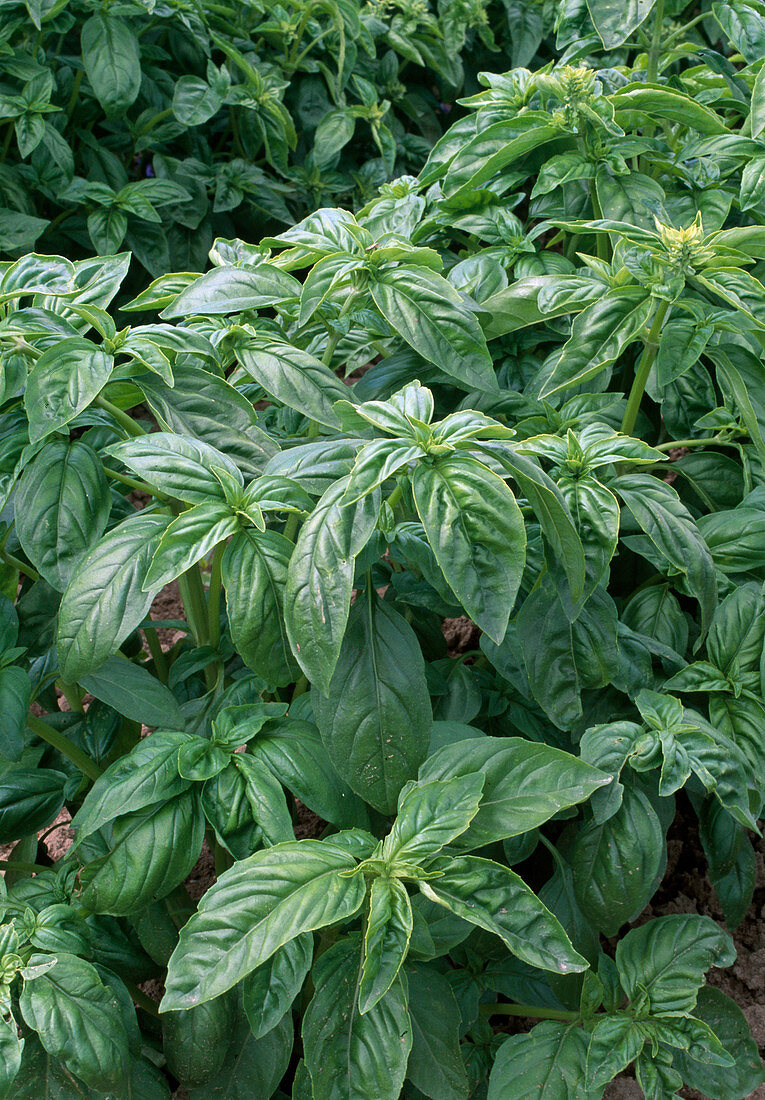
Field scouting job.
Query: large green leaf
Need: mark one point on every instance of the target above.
(132, 690)
(320, 579)
(669, 957)
(62, 506)
(429, 314)
(105, 599)
(435, 1064)
(615, 21)
(233, 289)
(205, 407)
(191, 536)
(616, 863)
(494, 898)
(78, 1021)
(255, 908)
(376, 719)
(253, 1067)
(150, 852)
(195, 1041)
(599, 334)
(730, 1025)
(350, 1055)
(177, 465)
(15, 696)
(294, 377)
(112, 59)
(432, 815)
(29, 800)
(268, 992)
(254, 570)
(63, 382)
(525, 784)
(548, 1063)
(477, 533)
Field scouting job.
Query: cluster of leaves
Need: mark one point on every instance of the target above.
(462, 399)
(163, 125)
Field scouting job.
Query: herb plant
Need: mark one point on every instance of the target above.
(525, 387)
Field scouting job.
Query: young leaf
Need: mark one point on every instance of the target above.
(386, 940)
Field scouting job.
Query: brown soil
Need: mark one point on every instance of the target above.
(461, 635)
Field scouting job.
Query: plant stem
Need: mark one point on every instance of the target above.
(127, 422)
(75, 93)
(157, 653)
(72, 696)
(654, 52)
(395, 497)
(133, 483)
(213, 596)
(334, 339)
(61, 742)
(291, 526)
(22, 567)
(193, 596)
(644, 367)
(711, 441)
(531, 1011)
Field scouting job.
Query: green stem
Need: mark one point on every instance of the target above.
(334, 339)
(670, 41)
(154, 121)
(652, 68)
(213, 596)
(395, 497)
(75, 93)
(291, 526)
(127, 422)
(711, 441)
(6, 142)
(61, 742)
(193, 596)
(72, 696)
(644, 367)
(22, 566)
(157, 653)
(602, 243)
(133, 483)
(530, 1011)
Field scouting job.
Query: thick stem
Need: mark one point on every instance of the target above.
(654, 52)
(72, 696)
(193, 596)
(530, 1011)
(291, 526)
(22, 566)
(644, 368)
(133, 483)
(157, 653)
(127, 422)
(213, 596)
(711, 441)
(60, 741)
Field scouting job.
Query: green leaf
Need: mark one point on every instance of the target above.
(432, 815)
(63, 382)
(350, 1055)
(423, 308)
(659, 101)
(205, 407)
(494, 148)
(615, 21)
(195, 101)
(729, 1024)
(29, 800)
(265, 795)
(435, 1064)
(669, 957)
(525, 784)
(104, 600)
(150, 852)
(548, 1063)
(191, 536)
(293, 376)
(477, 533)
(386, 940)
(254, 569)
(269, 991)
(11, 1049)
(332, 134)
(253, 1067)
(671, 528)
(78, 1021)
(177, 465)
(234, 289)
(255, 908)
(146, 775)
(195, 1041)
(615, 1042)
(132, 690)
(376, 718)
(494, 898)
(599, 335)
(743, 21)
(15, 697)
(112, 59)
(62, 506)
(538, 298)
